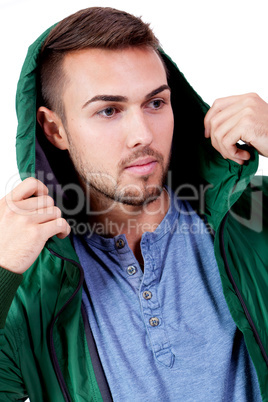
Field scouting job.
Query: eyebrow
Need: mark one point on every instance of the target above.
(119, 98)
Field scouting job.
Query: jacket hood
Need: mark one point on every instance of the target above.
(197, 170)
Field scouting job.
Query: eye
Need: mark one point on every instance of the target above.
(108, 112)
(156, 104)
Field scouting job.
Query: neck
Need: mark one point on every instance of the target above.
(113, 218)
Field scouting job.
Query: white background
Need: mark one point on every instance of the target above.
(220, 46)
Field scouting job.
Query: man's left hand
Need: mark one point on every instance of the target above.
(242, 117)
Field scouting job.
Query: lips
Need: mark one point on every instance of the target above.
(142, 166)
(143, 161)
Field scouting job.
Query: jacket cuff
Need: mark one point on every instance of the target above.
(9, 283)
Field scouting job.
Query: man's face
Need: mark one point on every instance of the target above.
(119, 122)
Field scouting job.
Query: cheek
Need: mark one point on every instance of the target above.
(101, 153)
(165, 130)
(86, 139)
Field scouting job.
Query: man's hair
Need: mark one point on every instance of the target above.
(95, 27)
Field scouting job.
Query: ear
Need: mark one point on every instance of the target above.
(52, 127)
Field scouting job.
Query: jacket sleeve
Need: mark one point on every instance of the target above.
(11, 382)
(9, 283)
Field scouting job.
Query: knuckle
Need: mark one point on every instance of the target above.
(61, 222)
(29, 184)
(215, 126)
(253, 95)
(207, 118)
(225, 142)
(248, 110)
(223, 153)
(213, 123)
(51, 211)
(251, 99)
(217, 105)
(248, 117)
(57, 211)
(48, 200)
(34, 184)
(214, 143)
(30, 181)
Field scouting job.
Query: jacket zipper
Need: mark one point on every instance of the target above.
(55, 362)
(231, 278)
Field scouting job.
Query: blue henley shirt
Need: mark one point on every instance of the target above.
(165, 334)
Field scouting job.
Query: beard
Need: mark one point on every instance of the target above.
(103, 186)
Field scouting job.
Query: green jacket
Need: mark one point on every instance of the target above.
(47, 350)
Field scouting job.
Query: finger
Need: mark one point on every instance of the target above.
(228, 148)
(34, 203)
(221, 104)
(215, 118)
(236, 154)
(26, 189)
(58, 227)
(239, 161)
(220, 128)
(45, 215)
(39, 215)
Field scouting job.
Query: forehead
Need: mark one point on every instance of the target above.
(127, 72)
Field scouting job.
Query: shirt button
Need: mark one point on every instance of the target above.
(131, 270)
(147, 295)
(154, 321)
(120, 243)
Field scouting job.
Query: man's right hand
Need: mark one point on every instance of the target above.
(28, 218)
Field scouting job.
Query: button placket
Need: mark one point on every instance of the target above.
(128, 263)
(152, 312)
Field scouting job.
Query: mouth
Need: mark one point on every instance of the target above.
(142, 166)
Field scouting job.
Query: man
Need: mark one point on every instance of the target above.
(126, 300)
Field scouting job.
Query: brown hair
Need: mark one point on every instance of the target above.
(95, 27)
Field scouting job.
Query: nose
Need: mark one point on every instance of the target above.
(139, 131)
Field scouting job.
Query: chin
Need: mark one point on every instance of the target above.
(141, 197)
